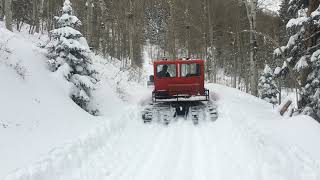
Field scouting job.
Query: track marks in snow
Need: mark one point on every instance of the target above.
(159, 165)
(263, 155)
(133, 151)
(233, 147)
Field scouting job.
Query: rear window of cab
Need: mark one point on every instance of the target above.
(170, 70)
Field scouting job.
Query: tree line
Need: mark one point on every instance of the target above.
(236, 37)
(209, 29)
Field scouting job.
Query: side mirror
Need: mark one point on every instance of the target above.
(151, 81)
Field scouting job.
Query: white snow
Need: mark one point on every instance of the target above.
(278, 51)
(301, 64)
(267, 69)
(284, 65)
(315, 56)
(270, 5)
(35, 110)
(315, 13)
(277, 71)
(250, 140)
(296, 22)
(36, 114)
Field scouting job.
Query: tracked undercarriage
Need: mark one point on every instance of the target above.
(166, 112)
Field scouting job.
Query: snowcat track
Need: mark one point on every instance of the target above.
(166, 112)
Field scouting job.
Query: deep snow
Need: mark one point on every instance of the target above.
(44, 135)
(36, 113)
(249, 140)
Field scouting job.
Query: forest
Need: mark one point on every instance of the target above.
(159, 89)
(239, 39)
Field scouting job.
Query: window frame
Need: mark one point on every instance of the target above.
(176, 71)
(195, 76)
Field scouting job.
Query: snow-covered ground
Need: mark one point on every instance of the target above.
(33, 106)
(44, 135)
(36, 114)
(249, 140)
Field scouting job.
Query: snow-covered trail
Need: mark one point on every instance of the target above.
(248, 141)
(242, 144)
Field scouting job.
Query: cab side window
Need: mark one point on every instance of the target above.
(190, 70)
(166, 70)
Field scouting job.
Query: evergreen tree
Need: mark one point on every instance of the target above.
(284, 16)
(310, 96)
(267, 86)
(301, 53)
(69, 53)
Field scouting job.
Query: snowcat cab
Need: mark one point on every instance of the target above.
(179, 92)
(178, 80)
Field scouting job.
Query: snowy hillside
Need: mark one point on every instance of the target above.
(34, 109)
(36, 113)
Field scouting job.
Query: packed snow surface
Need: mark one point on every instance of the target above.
(249, 140)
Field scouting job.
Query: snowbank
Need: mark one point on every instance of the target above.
(37, 116)
(36, 111)
(298, 132)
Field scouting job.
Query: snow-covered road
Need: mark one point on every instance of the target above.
(248, 141)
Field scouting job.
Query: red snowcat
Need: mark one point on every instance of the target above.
(179, 91)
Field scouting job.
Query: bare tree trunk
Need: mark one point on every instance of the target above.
(49, 16)
(1, 9)
(212, 71)
(188, 24)
(171, 33)
(8, 13)
(280, 90)
(104, 28)
(90, 7)
(41, 9)
(251, 7)
(131, 32)
(35, 16)
(235, 61)
(37, 20)
(204, 32)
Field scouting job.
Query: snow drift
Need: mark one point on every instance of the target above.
(37, 115)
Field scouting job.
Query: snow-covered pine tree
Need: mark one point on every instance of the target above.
(267, 86)
(284, 16)
(69, 53)
(310, 96)
(301, 53)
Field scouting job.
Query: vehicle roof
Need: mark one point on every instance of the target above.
(178, 61)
